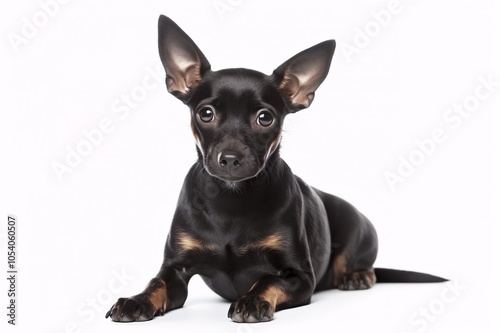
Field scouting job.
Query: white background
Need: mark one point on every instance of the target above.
(111, 214)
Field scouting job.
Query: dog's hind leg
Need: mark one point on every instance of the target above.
(354, 247)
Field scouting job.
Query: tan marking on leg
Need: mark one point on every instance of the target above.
(158, 298)
(275, 296)
(339, 269)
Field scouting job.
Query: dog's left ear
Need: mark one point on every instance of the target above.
(300, 76)
(183, 61)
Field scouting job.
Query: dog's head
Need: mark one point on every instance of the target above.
(237, 114)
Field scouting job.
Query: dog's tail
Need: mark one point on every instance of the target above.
(399, 276)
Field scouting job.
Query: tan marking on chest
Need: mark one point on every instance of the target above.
(186, 242)
(272, 242)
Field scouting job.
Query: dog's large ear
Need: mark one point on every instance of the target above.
(300, 76)
(183, 61)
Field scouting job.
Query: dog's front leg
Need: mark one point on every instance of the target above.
(272, 293)
(165, 292)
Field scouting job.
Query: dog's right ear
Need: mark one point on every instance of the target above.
(183, 61)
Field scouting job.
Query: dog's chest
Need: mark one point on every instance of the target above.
(231, 271)
(225, 247)
(229, 266)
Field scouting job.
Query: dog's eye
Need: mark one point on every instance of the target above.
(206, 114)
(265, 118)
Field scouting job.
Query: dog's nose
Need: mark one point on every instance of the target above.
(230, 159)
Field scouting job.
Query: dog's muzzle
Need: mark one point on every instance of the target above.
(232, 165)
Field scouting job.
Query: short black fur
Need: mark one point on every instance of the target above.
(257, 234)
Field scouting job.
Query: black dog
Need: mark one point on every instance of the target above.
(256, 233)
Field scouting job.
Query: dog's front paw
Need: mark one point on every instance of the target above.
(131, 309)
(251, 309)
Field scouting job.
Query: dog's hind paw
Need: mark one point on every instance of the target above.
(357, 280)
